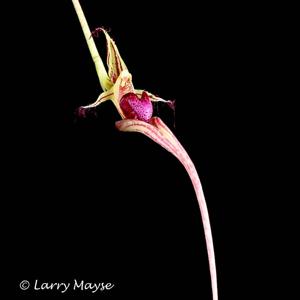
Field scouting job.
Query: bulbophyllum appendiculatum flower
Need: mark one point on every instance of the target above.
(136, 110)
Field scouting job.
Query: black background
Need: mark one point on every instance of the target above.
(91, 203)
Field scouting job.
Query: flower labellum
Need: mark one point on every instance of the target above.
(136, 110)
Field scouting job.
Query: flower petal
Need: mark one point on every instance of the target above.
(154, 98)
(122, 87)
(102, 98)
(149, 129)
(161, 134)
(115, 62)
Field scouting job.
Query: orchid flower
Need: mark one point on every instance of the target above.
(136, 110)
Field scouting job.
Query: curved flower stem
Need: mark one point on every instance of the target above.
(162, 135)
(100, 68)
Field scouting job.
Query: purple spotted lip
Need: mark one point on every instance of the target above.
(137, 108)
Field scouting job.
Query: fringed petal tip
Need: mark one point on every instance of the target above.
(82, 112)
(95, 33)
(172, 104)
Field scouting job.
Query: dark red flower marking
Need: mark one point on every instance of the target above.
(134, 107)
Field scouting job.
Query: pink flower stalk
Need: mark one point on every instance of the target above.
(136, 109)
